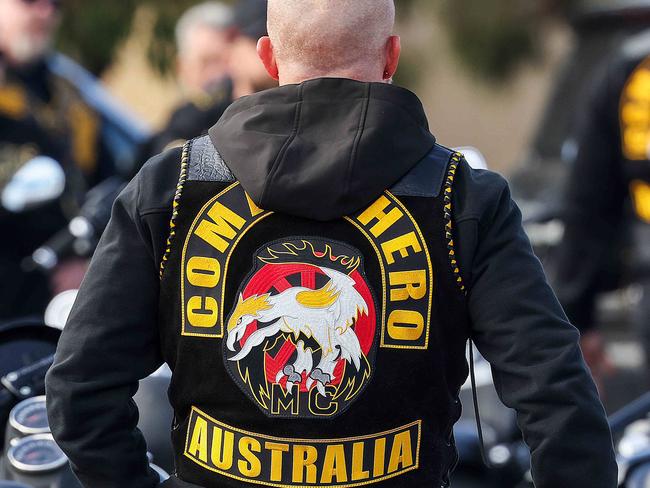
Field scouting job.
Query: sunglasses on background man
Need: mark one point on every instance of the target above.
(55, 3)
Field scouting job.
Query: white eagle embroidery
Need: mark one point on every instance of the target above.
(326, 315)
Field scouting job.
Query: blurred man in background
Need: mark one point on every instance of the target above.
(217, 63)
(37, 107)
(608, 198)
(204, 38)
(41, 114)
(247, 72)
(204, 35)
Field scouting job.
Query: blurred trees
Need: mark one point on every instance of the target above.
(93, 30)
(491, 37)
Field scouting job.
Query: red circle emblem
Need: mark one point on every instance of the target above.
(274, 278)
(302, 333)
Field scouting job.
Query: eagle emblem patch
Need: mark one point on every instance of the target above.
(300, 339)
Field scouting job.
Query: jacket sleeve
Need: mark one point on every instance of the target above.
(109, 343)
(520, 328)
(593, 204)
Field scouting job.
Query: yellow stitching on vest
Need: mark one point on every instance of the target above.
(177, 197)
(449, 234)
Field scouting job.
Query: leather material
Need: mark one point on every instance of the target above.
(424, 180)
(206, 164)
(427, 177)
(213, 400)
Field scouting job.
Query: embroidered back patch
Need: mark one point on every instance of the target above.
(286, 462)
(301, 337)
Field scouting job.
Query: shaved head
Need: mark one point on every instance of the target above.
(330, 37)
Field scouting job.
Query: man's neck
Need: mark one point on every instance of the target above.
(297, 78)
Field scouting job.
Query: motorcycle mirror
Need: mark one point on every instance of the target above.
(59, 308)
(473, 156)
(39, 181)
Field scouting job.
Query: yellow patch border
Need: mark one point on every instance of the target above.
(227, 263)
(384, 274)
(198, 412)
(199, 215)
(430, 267)
(351, 220)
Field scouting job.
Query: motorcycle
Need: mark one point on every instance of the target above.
(28, 454)
(29, 457)
(631, 428)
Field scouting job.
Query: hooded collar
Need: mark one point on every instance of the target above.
(324, 148)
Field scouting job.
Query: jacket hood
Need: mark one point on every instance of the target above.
(325, 148)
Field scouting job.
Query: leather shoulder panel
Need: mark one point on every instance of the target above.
(206, 164)
(427, 177)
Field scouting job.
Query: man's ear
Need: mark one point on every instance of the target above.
(393, 51)
(265, 52)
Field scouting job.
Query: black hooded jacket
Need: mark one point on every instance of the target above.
(317, 140)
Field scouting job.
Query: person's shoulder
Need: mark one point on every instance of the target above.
(158, 179)
(477, 193)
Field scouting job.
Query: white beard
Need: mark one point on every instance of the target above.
(28, 49)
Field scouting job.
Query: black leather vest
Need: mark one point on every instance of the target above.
(312, 353)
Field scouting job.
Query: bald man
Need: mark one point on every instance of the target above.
(326, 262)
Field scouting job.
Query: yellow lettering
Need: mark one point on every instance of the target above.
(400, 244)
(635, 143)
(641, 198)
(635, 114)
(323, 405)
(358, 473)
(413, 284)
(639, 86)
(376, 211)
(401, 452)
(276, 458)
(214, 232)
(285, 401)
(380, 454)
(203, 272)
(334, 464)
(250, 466)
(199, 443)
(255, 210)
(202, 312)
(304, 458)
(223, 445)
(405, 325)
